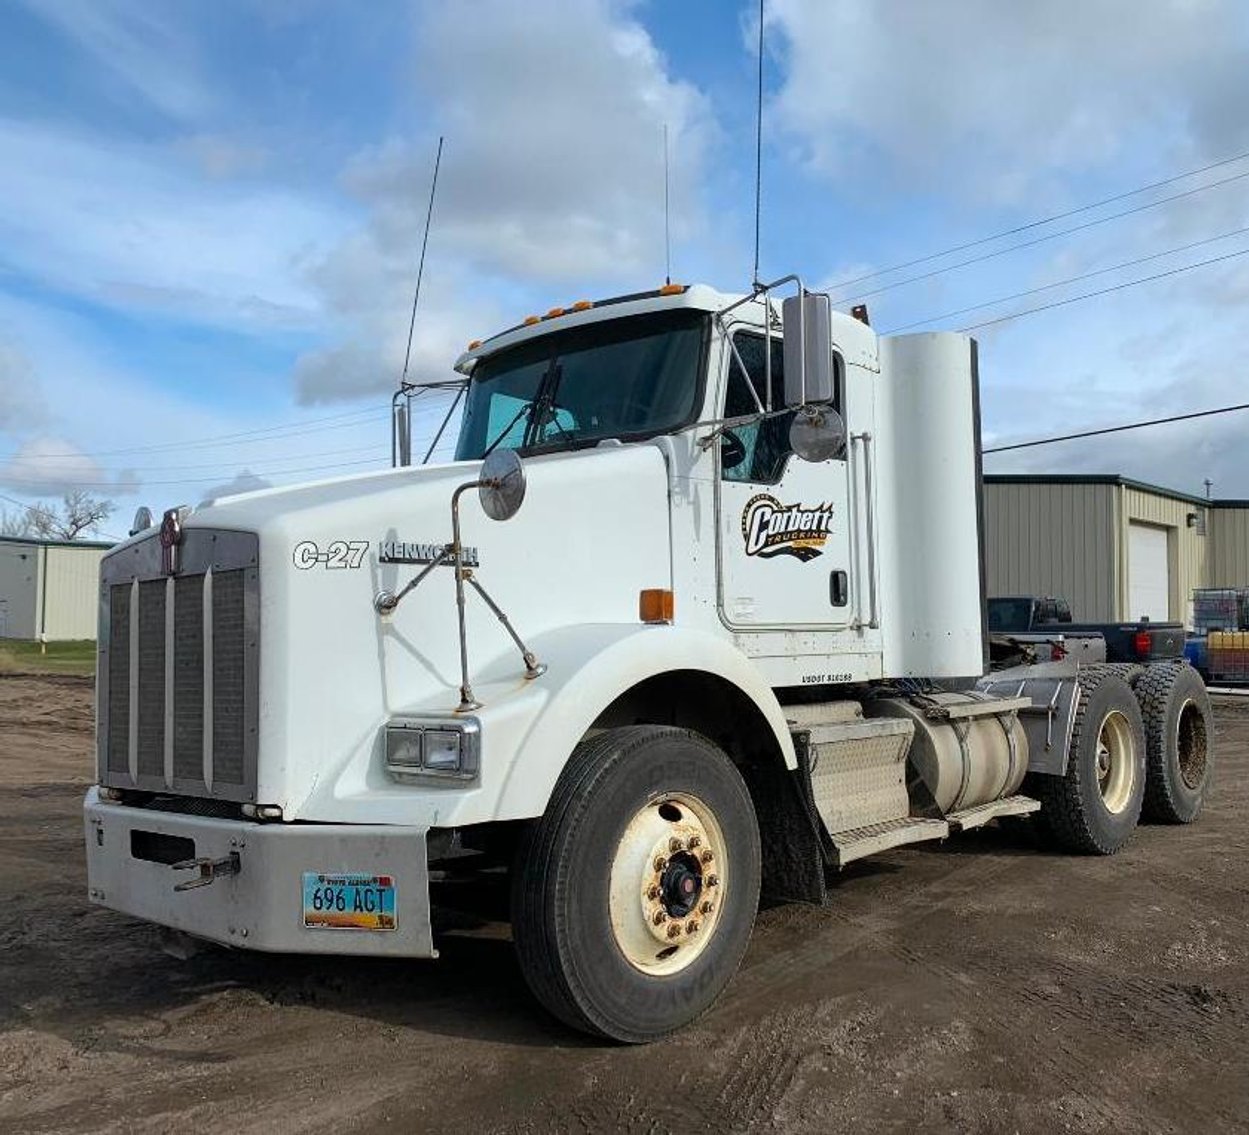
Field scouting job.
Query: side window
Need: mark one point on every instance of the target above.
(766, 442)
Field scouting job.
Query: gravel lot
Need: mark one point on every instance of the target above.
(979, 986)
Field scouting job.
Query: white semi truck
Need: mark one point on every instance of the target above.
(697, 611)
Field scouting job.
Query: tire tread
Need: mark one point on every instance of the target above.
(1154, 692)
(1063, 816)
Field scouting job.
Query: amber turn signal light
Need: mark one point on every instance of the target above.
(655, 605)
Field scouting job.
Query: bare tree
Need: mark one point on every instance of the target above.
(79, 513)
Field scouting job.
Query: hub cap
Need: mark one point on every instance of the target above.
(1116, 765)
(668, 881)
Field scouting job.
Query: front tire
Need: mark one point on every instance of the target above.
(634, 895)
(1095, 806)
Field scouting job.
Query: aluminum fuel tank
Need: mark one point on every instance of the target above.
(969, 747)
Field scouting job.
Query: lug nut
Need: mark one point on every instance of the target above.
(691, 927)
(695, 842)
(660, 863)
(706, 857)
(713, 880)
(659, 917)
(675, 844)
(706, 908)
(674, 931)
(653, 894)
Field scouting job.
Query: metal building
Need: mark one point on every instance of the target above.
(1113, 547)
(49, 589)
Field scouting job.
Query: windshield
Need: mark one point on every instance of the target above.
(626, 378)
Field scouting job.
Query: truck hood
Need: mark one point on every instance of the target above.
(593, 531)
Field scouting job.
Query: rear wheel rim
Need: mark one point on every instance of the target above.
(1190, 743)
(1116, 764)
(669, 878)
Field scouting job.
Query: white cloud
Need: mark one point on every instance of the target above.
(997, 101)
(552, 174)
(44, 465)
(244, 482)
(21, 405)
(138, 46)
(220, 156)
(127, 226)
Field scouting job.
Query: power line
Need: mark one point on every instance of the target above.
(1105, 291)
(252, 466)
(245, 437)
(1038, 223)
(1118, 429)
(1069, 280)
(112, 485)
(1042, 239)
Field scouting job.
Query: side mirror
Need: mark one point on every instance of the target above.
(810, 369)
(501, 485)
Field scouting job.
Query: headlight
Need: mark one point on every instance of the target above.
(419, 749)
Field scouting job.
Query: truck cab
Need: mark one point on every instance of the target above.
(697, 609)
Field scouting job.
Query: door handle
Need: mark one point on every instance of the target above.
(838, 588)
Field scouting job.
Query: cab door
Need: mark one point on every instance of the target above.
(784, 525)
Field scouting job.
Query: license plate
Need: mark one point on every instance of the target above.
(349, 902)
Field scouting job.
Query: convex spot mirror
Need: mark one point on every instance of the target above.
(810, 362)
(502, 487)
(818, 433)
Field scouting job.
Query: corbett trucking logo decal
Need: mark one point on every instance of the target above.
(774, 529)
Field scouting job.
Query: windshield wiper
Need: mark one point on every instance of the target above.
(543, 404)
(528, 408)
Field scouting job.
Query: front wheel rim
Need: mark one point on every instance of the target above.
(669, 879)
(1116, 763)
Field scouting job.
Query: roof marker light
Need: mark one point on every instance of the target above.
(582, 305)
(672, 289)
(474, 344)
(554, 312)
(530, 320)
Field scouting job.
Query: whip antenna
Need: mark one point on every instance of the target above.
(420, 267)
(759, 148)
(667, 237)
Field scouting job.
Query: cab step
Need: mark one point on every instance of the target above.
(981, 814)
(858, 842)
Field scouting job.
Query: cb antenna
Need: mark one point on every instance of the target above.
(759, 148)
(420, 267)
(667, 238)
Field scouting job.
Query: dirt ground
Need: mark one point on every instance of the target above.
(978, 986)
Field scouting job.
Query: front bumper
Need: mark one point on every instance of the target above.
(260, 907)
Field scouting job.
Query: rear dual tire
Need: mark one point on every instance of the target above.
(1094, 807)
(634, 896)
(1179, 735)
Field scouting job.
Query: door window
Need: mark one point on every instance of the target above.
(765, 441)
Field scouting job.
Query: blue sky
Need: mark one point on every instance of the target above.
(209, 214)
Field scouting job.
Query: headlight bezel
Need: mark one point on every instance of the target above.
(412, 733)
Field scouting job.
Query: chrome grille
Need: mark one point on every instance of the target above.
(179, 667)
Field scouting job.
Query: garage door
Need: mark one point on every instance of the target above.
(1149, 580)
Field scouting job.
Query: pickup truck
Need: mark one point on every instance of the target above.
(1046, 621)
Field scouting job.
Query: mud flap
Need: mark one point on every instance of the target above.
(790, 833)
